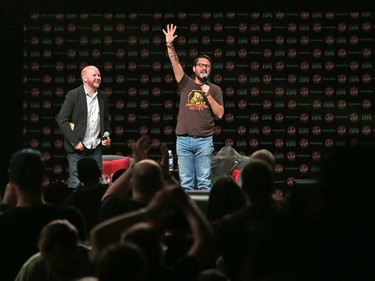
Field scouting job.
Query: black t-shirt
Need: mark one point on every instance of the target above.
(19, 233)
(112, 206)
(88, 201)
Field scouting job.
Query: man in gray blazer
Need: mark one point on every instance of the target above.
(84, 121)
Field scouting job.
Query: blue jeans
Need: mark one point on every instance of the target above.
(73, 158)
(194, 156)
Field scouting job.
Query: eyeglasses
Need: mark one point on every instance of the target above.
(203, 65)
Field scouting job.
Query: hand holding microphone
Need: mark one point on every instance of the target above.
(205, 88)
(105, 136)
(106, 141)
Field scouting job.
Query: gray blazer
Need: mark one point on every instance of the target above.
(72, 117)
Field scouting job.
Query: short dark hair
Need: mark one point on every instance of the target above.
(202, 56)
(88, 169)
(27, 168)
(60, 233)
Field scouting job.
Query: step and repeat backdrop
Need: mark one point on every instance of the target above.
(298, 84)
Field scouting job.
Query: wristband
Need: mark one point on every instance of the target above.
(169, 45)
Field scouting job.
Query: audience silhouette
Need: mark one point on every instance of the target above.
(121, 261)
(225, 197)
(20, 225)
(151, 230)
(61, 255)
(135, 187)
(197, 256)
(241, 234)
(278, 193)
(88, 195)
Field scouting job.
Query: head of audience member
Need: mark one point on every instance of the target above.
(27, 175)
(117, 174)
(265, 155)
(258, 182)
(147, 179)
(26, 170)
(89, 172)
(150, 239)
(121, 261)
(225, 197)
(58, 244)
(278, 193)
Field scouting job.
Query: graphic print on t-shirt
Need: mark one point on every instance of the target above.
(196, 100)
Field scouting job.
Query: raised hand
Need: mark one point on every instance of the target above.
(141, 148)
(170, 33)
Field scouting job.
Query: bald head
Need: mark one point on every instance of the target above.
(88, 69)
(265, 155)
(91, 78)
(147, 176)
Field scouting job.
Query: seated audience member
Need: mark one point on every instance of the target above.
(145, 181)
(121, 261)
(88, 195)
(241, 235)
(138, 184)
(225, 197)
(278, 193)
(197, 256)
(61, 256)
(20, 225)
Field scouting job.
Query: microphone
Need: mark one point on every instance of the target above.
(105, 136)
(205, 77)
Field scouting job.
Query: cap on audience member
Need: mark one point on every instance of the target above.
(26, 164)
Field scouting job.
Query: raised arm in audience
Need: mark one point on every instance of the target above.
(110, 230)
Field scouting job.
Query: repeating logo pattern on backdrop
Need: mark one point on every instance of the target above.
(298, 84)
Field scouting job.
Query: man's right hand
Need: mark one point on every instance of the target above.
(79, 146)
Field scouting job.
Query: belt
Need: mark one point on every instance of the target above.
(194, 137)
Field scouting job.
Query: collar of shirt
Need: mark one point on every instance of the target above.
(87, 93)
